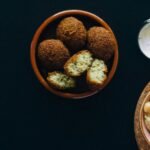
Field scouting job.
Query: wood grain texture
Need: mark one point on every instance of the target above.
(141, 141)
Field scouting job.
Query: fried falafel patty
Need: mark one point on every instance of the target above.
(78, 63)
(97, 74)
(72, 32)
(52, 54)
(60, 80)
(101, 42)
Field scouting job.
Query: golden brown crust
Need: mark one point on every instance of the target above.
(52, 54)
(72, 32)
(92, 85)
(101, 42)
(73, 59)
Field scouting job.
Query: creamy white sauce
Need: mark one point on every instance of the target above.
(144, 40)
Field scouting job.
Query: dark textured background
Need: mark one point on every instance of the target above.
(32, 118)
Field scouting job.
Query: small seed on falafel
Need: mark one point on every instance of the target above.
(101, 42)
(72, 32)
(52, 54)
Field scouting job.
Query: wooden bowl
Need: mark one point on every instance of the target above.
(47, 30)
(144, 130)
(141, 133)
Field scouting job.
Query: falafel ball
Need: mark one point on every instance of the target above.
(72, 32)
(101, 42)
(52, 54)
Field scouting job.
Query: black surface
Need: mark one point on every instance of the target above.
(32, 118)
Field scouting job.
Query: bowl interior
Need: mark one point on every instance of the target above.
(48, 31)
